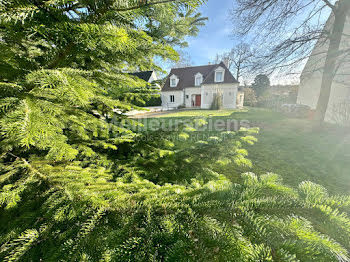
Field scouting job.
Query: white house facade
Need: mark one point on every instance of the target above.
(197, 87)
(311, 77)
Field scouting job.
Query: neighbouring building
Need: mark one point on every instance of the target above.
(240, 97)
(197, 87)
(151, 78)
(311, 78)
(155, 88)
(148, 76)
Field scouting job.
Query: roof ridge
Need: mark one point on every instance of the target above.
(209, 74)
(141, 71)
(194, 66)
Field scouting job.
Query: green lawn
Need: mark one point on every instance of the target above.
(289, 148)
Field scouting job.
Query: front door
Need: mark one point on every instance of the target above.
(198, 100)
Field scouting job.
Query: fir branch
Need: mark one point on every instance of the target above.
(145, 3)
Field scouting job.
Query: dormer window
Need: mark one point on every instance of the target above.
(173, 81)
(219, 75)
(198, 79)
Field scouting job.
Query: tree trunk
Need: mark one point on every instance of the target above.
(329, 70)
(238, 72)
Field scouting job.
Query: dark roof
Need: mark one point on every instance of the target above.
(186, 76)
(228, 78)
(145, 75)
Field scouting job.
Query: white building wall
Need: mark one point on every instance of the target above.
(240, 99)
(188, 94)
(311, 78)
(309, 90)
(229, 92)
(153, 77)
(179, 99)
(340, 95)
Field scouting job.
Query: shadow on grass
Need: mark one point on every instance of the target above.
(286, 146)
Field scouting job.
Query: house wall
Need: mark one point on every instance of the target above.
(309, 90)
(311, 78)
(179, 99)
(153, 77)
(229, 92)
(240, 99)
(340, 94)
(190, 92)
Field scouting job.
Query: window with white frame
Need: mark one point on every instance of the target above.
(198, 79)
(219, 76)
(172, 99)
(173, 81)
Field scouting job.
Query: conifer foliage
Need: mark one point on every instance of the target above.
(63, 63)
(77, 184)
(167, 204)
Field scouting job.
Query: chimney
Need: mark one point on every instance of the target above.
(226, 61)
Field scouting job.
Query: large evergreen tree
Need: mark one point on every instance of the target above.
(77, 186)
(261, 84)
(64, 66)
(65, 85)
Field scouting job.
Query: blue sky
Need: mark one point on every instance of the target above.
(214, 37)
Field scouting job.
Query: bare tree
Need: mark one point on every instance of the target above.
(238, 59)
(287, 32)
(184, 60)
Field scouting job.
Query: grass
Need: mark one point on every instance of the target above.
(287, 147)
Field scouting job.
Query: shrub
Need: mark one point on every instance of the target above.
(249, 97)
(217, 101)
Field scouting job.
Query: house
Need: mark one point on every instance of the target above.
(311, 78)
(154, 88)
(151, 78)
(148, 76)
(197, 87)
